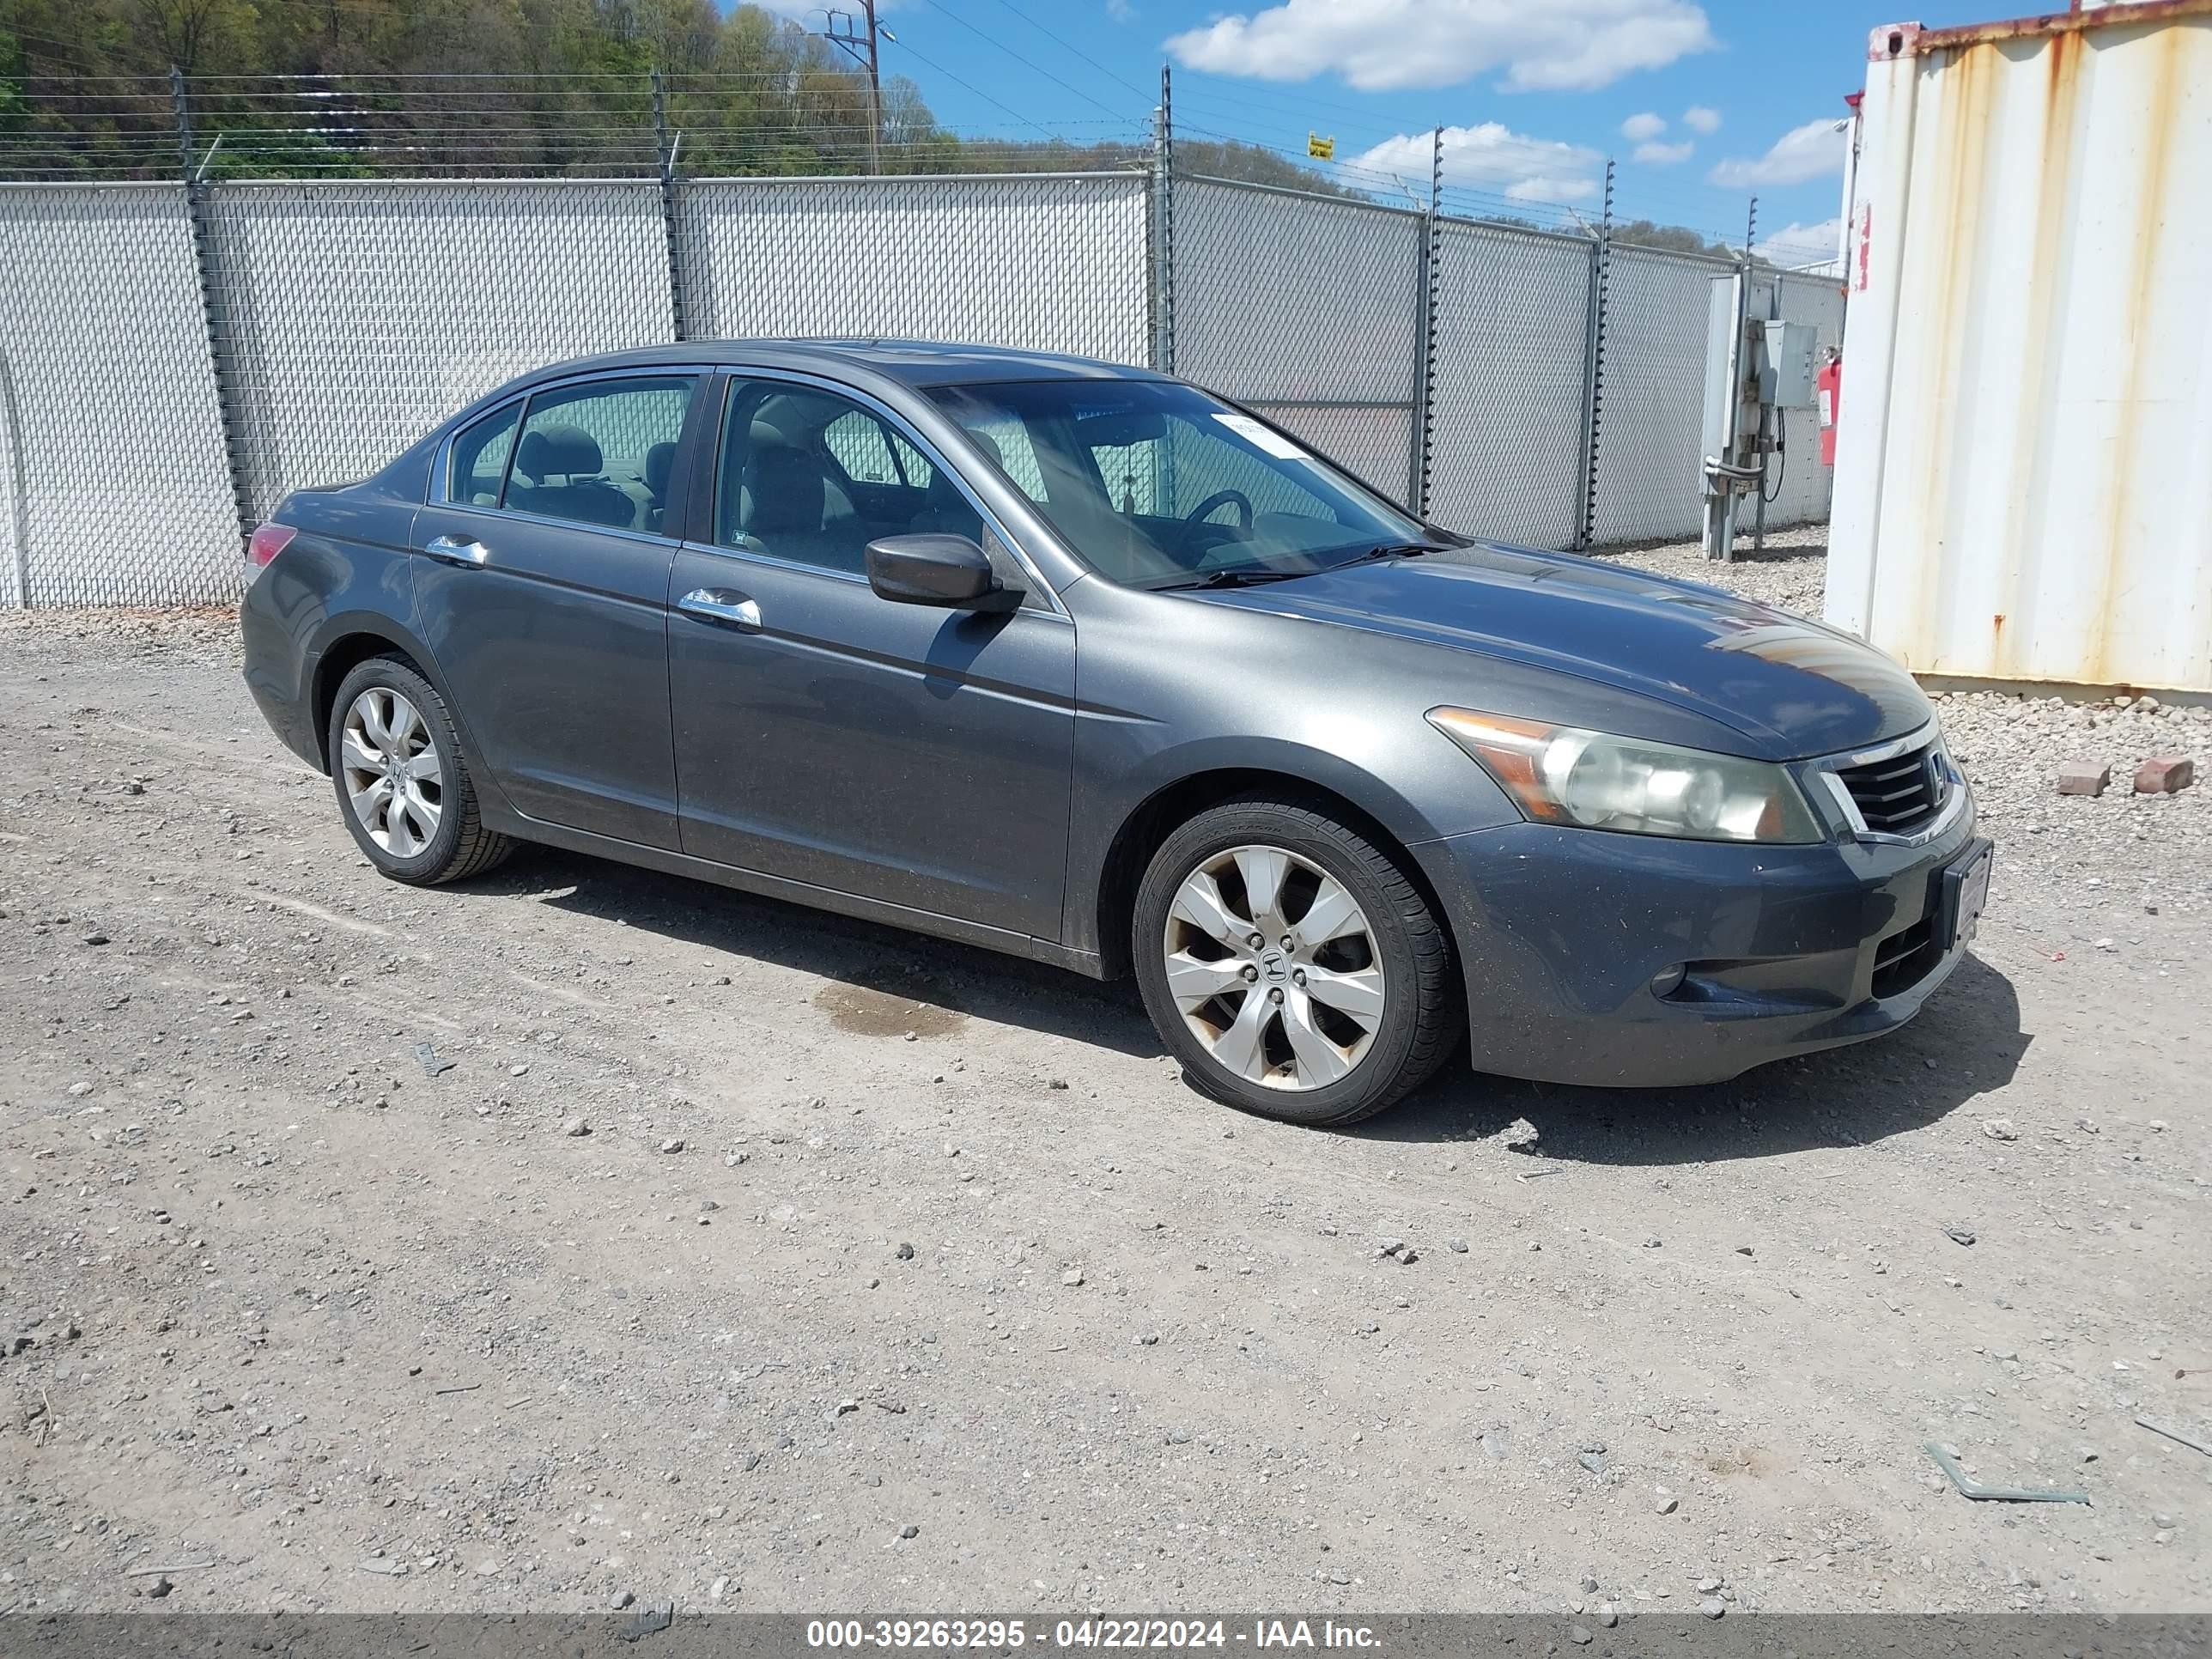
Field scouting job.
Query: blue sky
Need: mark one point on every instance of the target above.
(1701, 104)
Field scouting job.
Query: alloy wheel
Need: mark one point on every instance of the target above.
(1275, 967)
(394, 780)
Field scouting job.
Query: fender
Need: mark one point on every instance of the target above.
(351, 625)
(1455, 796)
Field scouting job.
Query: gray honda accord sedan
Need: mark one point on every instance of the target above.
(1081, 662)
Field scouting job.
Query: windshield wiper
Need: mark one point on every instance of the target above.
(1233, 579)
(1388, 550)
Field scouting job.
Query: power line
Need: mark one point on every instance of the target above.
(1069, 47)
(1025, 62)
(977, 91)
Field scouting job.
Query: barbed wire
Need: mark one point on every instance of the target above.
(415, 123)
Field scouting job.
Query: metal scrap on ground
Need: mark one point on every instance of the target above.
(2195, 1442)
(1982, 1494)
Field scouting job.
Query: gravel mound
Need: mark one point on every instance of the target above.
(206, 635)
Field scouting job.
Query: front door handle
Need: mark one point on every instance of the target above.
(451, 550)
(721, 607)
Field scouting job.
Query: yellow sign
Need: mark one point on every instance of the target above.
(1320, 149)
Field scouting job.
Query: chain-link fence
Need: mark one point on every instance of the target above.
(1050, 262)
(1508, 436)
(1305, 308)
(352, 317)
(178, 356)
(112, 484)
(1650, 421)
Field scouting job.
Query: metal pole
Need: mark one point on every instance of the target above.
(677, 322)
(1721, 545)
(1164, 344)
(215, 309)
(875, 95)
(1425, 334)
(11, 421)
(1594, 365)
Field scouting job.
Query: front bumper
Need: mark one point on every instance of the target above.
(1790, 949)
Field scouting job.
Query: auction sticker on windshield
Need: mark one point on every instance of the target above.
(1253, 432)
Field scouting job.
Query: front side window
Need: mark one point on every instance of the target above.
(478, 465)
(599, 452)
(1157, 484)
(813, 478)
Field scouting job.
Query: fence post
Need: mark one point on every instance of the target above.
(677, 320)
(215, 309)
(1594, 365)
(1162, 261)
(19, 493)
(1425, 333)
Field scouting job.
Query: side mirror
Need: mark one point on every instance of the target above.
(936, 569)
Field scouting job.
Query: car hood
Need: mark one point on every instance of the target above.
(1794, 688)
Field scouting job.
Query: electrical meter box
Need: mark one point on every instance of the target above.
(1785, 378)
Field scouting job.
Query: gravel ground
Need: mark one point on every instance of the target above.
(721, 1252)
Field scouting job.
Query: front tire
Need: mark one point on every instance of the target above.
(402, 786)
(1291, 965)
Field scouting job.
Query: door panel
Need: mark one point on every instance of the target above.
(556, 646)
(542, 588)
(898, 751)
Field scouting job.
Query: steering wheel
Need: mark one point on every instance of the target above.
(1236, 498)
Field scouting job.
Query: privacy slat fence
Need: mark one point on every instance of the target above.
(175, 358)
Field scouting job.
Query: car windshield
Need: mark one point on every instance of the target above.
(1156, 484)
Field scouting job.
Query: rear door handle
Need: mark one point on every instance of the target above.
(721, 607)
(451, 550)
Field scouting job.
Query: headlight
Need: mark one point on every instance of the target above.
(1563, 775)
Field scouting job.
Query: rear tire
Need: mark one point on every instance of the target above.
(403, 783)
(1291, 965)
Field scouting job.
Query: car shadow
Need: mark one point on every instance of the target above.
(884, 980)
(1965, 1043)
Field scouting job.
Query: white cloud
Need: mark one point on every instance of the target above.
(1120, 11)
(1664, 155)
(1379, 45)
(1800, 153)
(1494, 159)
(1699, 119)
(1638, 128)
(1801, 245)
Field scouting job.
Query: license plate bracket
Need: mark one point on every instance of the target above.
(1965, 892)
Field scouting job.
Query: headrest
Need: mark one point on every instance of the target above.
(568, 451)
(788, 487)
(989, 445)
(658, 461)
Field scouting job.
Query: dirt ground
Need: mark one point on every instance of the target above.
(893, 1274)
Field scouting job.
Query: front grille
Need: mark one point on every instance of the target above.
(1897, 795)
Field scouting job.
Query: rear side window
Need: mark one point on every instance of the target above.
(479, 463)
(599, 452)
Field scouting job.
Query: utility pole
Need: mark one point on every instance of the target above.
(861, 49)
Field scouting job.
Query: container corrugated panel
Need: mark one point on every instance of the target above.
(2024, 479)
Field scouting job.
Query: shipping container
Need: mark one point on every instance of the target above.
(2023, 487)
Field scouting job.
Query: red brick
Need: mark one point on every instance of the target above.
(2083, 778)
(2161, 775)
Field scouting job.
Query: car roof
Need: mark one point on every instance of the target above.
(914, 362)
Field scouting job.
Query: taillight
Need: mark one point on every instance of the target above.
(266, 543)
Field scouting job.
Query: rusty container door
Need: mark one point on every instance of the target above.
(2023, 484)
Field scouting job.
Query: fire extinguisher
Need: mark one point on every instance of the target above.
(1829, 385)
